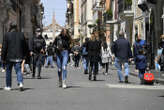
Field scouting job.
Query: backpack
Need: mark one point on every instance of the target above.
(148, 78)
(84, 51)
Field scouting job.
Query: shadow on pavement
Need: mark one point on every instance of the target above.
(161, 96)
(68, 87)
(36, 78)
(98, 80)
(24, 89)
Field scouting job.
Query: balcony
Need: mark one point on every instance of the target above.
(125, 8)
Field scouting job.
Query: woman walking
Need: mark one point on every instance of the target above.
(62, 45)
(105, 56)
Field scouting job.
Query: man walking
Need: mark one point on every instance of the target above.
(37, 49)
(85, 58)
(122, 51)
(50, 53)
(14, 50)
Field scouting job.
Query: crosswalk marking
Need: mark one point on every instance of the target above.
(130, 86)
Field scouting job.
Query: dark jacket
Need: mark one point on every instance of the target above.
(66, 43)
(14, 47)
(36, 44)
(50, 50)
(122, 49)
(141, 62)
(94, 49)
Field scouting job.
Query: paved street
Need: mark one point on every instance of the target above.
(81, 94)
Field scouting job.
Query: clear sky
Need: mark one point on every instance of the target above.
(57, 6)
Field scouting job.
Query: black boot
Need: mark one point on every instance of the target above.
(95, 78)
(90, 77)
(126, 79)
(85, 72)
(33, 75)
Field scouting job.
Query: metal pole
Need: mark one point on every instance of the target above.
(163, 20)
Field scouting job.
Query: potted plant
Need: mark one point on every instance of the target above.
(109, 14)
(128, 3)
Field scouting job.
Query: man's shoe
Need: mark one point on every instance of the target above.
(120, 81)
(105, 73)
(126, 79)
(39, 77)
(60, 83)
(33, 76)
(7, 88)
(52, 66)
(85, 72)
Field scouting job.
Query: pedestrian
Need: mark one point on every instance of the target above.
(84, 52)
(25, 63)
(123, 53)
(62, 45)
(141, 64)
(13, 53)
(138, 45)
(37, 46)
(162, 41)
(50, 53)
(161, 61)
(159, 53)
(76, 52)
(94, 49)
(106, 56)
(2, 65)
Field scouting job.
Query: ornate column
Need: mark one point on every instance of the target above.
(4, 7)
(28, 28)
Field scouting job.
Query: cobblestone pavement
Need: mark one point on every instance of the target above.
(104, 94)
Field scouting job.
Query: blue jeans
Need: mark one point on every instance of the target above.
(62, 60)
(118, 65)
(49, 60)
(17, 67)
(85, 64)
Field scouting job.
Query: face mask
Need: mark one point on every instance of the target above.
(163, 40)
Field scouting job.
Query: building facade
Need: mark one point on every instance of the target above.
(27, 14)
(86, 17)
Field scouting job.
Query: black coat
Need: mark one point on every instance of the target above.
(36, 44)
(14, 47)
(122, 49)
(94, 48)
(66, 43)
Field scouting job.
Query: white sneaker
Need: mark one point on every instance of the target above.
(64, 86)
(21, 86)
(3, 70)
(7, 88)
